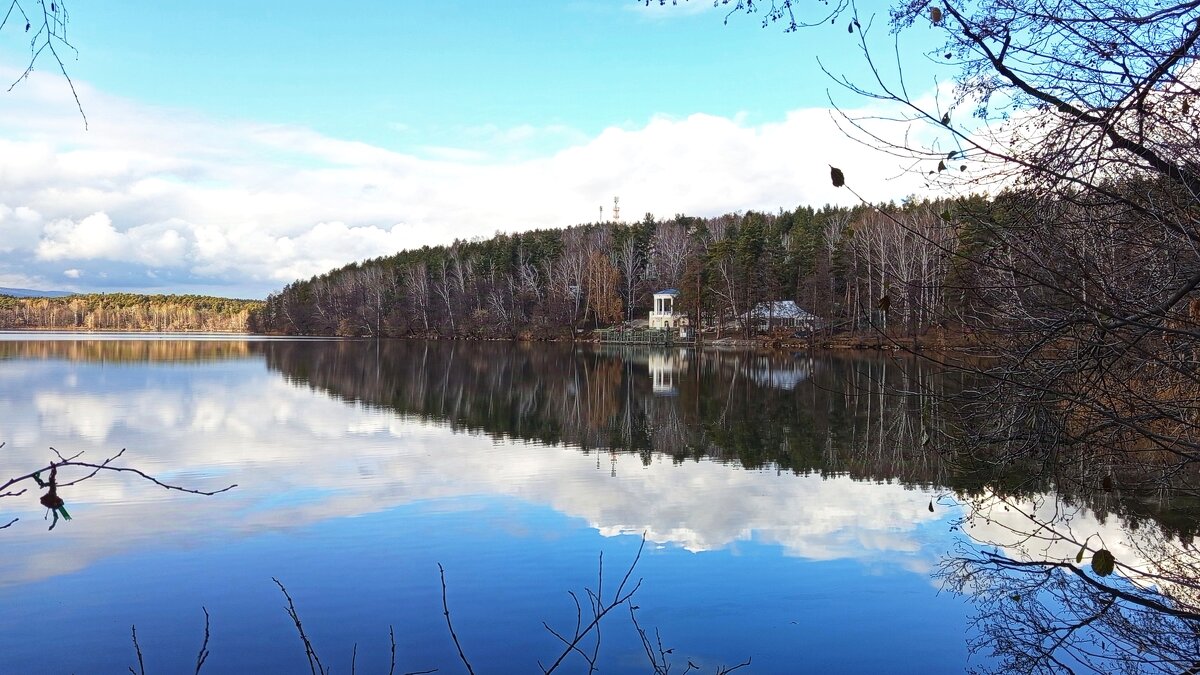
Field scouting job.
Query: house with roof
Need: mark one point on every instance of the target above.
(781, 314)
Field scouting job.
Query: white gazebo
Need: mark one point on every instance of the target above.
(664, 316)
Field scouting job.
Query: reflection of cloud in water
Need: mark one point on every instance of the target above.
(705, 506)
(1044, 528)
(301, 457)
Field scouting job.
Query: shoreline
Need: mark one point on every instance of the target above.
(941, 342)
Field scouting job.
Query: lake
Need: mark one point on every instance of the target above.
(796, 509)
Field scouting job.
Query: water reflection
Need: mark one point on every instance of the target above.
(1056, 590)
(732, 406)
(123, 347)
(452, 417)
(825, 459)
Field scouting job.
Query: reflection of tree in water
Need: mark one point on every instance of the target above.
(800, 413)
(1041, 606)
(1058, 591)
(867, 417)
(88, 349)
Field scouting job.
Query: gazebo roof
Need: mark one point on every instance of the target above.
(667, 291)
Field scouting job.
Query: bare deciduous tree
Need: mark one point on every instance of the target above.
(45, 24)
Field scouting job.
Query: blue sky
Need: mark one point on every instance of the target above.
(233, 147)
(405, 75)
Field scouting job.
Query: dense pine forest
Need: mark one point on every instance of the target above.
(127, 312)
(837, 263)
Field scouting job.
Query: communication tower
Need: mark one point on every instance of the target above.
(616, 209)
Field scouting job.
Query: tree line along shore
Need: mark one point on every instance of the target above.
(836, 263)
(127, 312)
(917, 274)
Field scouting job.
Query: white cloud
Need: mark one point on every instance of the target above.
(254, 206)
(92, 237)
(73, 273)
(21, 227)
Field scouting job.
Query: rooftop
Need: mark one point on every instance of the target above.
(781, 309)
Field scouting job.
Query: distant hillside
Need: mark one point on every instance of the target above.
(127, 311)
(29, 293)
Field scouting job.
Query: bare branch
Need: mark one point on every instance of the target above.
(51, 33)
(138, 649)
(446, 611)
(619, 597)
(202, 656)
(314, 662)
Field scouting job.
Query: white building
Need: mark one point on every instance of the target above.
(664, 316)
(781, 314)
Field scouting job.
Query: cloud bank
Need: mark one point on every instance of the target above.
(153, 199)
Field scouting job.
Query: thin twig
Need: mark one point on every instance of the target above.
(314, 662)
(71, 461)
(203, 655)
(596, 603)
(53, 29)
(392, 669)
(744, 664)
(619, 597)
(137, 648)
(392, 638)
(1124, 595)
(446, 611)
(106, 466)
(646, 645)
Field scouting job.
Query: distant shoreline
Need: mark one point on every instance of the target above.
(840, 343)
(129, 330)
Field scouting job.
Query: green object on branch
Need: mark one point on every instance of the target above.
(1103, 562)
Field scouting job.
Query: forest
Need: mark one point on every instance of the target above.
(837, 263)
(127, 312)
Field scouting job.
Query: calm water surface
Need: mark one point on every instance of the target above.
(787, 518)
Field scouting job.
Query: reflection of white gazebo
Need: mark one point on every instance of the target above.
(663, 316)
(665, 368)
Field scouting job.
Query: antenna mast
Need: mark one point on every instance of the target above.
(616, 209)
